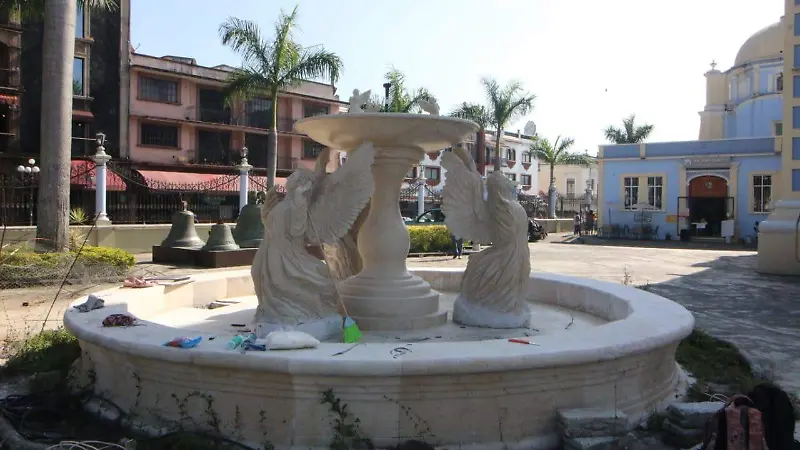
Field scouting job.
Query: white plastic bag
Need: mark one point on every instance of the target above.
(290, 340)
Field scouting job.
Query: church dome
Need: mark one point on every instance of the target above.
(767, 43)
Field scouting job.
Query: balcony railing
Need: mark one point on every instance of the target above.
(286, 124)
(211, 115)
(9, 78)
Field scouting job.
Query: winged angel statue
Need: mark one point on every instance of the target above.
(294, 287)
(494, 284)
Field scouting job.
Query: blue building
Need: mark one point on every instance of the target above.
(731, 173)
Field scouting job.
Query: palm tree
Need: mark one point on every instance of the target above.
(483, 117)
(270, 66)
(506, 105)
(630, 133)
(401, 99)
(554, 154)
(58, 52)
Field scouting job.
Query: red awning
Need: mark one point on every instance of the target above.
(191, 181)
(82, 114)
(82, 173)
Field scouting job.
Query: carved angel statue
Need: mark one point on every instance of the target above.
(493, 290)
(357, 100)
(429, 106)
(294, 287)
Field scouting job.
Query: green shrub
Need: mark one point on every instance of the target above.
(25, 267)
(429, 238)
(47, 351)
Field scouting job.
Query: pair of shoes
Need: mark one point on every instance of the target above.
(136, 282)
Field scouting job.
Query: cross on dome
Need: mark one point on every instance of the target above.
(713, 64)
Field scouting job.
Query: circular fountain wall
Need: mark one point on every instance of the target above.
(471, 388)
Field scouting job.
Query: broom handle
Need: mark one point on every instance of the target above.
(325, 258)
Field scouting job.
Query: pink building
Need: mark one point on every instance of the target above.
(179, 121)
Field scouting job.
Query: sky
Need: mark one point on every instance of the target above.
(590, 63)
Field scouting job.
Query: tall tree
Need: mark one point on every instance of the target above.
(554, 154)
(630, 133)
(270, 66)
(58, 52)
(507, 105)
(483, 117)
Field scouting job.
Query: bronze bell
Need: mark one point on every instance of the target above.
(249, 231)
(220, 239)
(182, 233)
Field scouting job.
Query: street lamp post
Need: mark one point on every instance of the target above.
(27, 172)
(386, 87)
(244, 180)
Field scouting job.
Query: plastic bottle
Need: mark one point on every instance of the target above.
(190, 342)
(250, 339)
(235, 342)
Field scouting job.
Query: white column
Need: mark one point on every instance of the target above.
(244, 182)
(100, 174)
(421, 191)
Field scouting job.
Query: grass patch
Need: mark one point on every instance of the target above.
(47, 351)
(712, 360)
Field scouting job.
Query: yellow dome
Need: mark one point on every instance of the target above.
(767, 43)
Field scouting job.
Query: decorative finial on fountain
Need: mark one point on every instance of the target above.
(429, 106)
(713, 64)
(357, 100)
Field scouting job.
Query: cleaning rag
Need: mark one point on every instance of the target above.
(91, 303)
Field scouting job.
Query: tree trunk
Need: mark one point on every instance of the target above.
(480, 151)
(497, 148)
(551, 193)
(272, 142)
(272, 157)
(52, 224)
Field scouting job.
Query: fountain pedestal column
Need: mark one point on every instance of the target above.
(384, 295)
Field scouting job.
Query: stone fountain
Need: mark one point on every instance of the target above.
(525, 345)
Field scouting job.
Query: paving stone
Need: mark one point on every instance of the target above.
(590, 422)
(692, 415)
(588, 443)
(681, 437)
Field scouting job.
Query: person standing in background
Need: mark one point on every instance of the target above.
(458, 244)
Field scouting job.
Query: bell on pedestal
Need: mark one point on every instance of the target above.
(249, 231)
(220, 239)
(182, 233)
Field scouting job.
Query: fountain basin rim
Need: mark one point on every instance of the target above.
(430, 133)
(652, 322)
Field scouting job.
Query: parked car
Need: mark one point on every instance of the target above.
(536, 230)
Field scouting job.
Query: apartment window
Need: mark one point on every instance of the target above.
(570, 187)
(655, 192)
(258, 112)
(526, 157)
(511, 154)
(311, 149)
(796, 57)
(762, 193)
(796, 86)
(797, 24)
(631, 191)
(525, 180)
(511, 176)
(796, 117)
(432, 173)
(779, 82)
(158, 90)
(80, 21)
(78, 85)
(778, 128)
(311, 109)
(153, 135)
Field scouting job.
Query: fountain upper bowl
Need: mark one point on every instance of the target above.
(419, 131)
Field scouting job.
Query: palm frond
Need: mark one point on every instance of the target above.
(630, 133)
(576, 159)
(312, 64)
(244, 37)
(474, 112)
(34, 9)
(563, 145)
(245, 84)
(507, 104)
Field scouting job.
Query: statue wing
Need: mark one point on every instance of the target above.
(272, 198)
(340, 197)
(466, 213)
